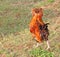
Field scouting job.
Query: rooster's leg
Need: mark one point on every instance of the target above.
(48, 45)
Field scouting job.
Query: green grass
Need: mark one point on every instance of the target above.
(15, 38)
(50, 1)
(12, 16)
(43, 3)
(38, 52)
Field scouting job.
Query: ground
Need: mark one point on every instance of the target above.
(15, 15)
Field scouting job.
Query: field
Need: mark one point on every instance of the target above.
(15, 38)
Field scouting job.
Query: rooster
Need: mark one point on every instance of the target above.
(38, 28)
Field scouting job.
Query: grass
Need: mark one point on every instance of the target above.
(15, 38)
(44, 3)
(50, 1)
(39, 52)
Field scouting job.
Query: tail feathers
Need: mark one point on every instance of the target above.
(44, 31)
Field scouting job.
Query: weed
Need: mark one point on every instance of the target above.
(50, 1)
(38, 52)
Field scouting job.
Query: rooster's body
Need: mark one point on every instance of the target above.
(37, 27)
